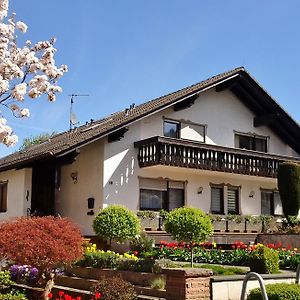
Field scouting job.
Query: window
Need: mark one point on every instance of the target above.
(218, 199)
(156, 194)
(172, 129)
(184, 130)
(233, 200)
(3, 197)
(271, 203)
(251, 142)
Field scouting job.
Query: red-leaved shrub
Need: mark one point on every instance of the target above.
(43, 242)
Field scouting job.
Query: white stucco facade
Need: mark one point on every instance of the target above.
(72, 194)
(109, 172)
(18, 192)
(223, 114)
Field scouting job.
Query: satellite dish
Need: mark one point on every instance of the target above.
(73, 119)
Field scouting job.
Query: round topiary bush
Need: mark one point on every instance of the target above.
(116, 223)
(277, 291)
(289, 187)
(190, 225)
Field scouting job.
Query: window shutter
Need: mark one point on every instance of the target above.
(232, 201)
(192, 132)
(266, 198)
(176, 185)
(217, 200)
(277, 204)
(153, 184)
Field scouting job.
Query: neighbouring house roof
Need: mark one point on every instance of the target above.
(237, 80)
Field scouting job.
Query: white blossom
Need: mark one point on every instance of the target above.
(28, 71)
(19, 91)
(24, 113)
(3, 9)
(21, 26)
(10, 140)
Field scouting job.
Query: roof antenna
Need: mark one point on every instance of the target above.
(72, 118)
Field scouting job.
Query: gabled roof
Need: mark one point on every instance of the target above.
(237, 80)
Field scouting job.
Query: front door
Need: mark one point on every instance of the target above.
(43, 190)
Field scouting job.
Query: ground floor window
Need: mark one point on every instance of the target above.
(271, 203)
(225, 199)
(156, 194)
(3, 197)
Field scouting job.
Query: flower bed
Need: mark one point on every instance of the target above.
(214, 254)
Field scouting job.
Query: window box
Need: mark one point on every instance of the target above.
(149, 219)
(219, 226)
(235, 223)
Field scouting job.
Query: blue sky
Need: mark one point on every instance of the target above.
(120, 52)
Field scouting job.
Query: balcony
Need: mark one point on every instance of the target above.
(187, 154)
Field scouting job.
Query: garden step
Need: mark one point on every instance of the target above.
(75, 282)
(143, 297)
(136, 278)
(147, 291)
(35, 292)
(83, 284)
(85, 295)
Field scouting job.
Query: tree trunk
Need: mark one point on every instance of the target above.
(192, 256)
(48, 287)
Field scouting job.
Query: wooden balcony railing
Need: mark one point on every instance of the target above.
(182, 153)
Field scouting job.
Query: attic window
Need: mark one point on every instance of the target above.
(251, 142)
(184, 130)
(172, 129)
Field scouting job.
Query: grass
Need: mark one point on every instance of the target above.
(217, 270)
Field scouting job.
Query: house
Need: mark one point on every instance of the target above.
(215, 145)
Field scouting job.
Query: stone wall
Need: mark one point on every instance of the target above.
(188, 284)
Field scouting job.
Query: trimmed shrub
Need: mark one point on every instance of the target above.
(114, 288)
(190, 225)
(277, 291)
(289, 187)
(264, 260)
(116, 223)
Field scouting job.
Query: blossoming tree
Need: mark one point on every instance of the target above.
(27, 71)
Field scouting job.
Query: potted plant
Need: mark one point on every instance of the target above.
(218, 222)
(235, 223)
(149, 219)
(253, 224)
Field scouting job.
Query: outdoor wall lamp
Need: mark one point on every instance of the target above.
(200, 190)
(74, 176)
(91, 205)
(251, 195)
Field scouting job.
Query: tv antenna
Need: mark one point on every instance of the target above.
(73, 119)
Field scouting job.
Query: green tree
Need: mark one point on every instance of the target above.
(289, 187)
(116, 223)
(35, 140)
(190, 225)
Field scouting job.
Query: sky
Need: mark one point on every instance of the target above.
(122, 52)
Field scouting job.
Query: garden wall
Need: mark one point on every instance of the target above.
(287, 240)
(230, 287)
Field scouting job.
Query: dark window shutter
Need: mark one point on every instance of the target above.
(233, 201)
(217, 201)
